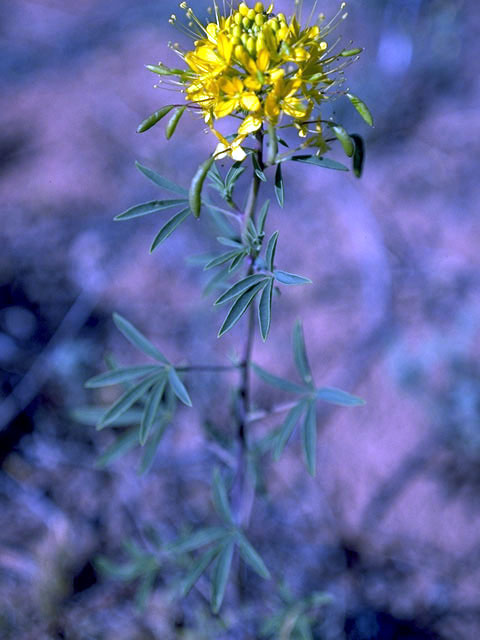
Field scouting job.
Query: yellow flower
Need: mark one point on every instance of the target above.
(260, 67)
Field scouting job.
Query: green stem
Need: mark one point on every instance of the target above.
(242, 491)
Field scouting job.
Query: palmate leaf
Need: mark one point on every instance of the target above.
(147, 208)
(169, 227)
(152, 406)
(138, 340)
(279, 383)
(240, 306)
(309, 438)
(300, 354)
(221, 572)
(265, 309)
(160, 181)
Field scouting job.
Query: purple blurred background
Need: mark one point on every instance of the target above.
(391, 525)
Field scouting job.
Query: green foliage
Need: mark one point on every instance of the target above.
(362, 108)
(307, 403)
(152, 388)
(246, 277)
(152, 119)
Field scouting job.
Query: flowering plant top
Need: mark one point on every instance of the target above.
(262, 69)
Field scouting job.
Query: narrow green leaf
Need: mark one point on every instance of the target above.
(160, 181)
(290, 278)
(155, 117)
(195, 192)
(224, 257)
(178, 387)
(339, 397)
(147, 208)
(199, 567)
(239, 287)
(271, 249)
(220, 499)
(362, 108)
(319, 161)
(359, 155)
(251, 557)
(198, 539)
(265, 309)
(120, 447)
(300, 354)
(220, 575)
(279, 383)
(91, 416)
(230, 242)
(344, 139)
(287, 428)
(152, 445)
(279, 186)
(118, 376)
(262, 217)
(145, 588)
(174, 120)
(138, 340)
(152, 405)
(309, 438)
(233, 175)
(240, 306)
(257, 168)
(237, 261)
(169, 227)
(303, 628)
(126, 401)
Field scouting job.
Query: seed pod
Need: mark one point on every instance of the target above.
(152, 120)
(344, 139)
(172, 123)
(359, 155)
(195, 193)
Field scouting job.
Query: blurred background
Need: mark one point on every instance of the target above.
(390, 527)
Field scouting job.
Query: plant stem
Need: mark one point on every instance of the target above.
(243, 490)
(210, 367)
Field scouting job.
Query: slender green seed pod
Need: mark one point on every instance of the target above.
(174, 120)
(195, 193)
(152, 120)
(350, 52)
(344, 139)
(359, 155)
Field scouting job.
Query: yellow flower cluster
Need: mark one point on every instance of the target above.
(258, 66)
